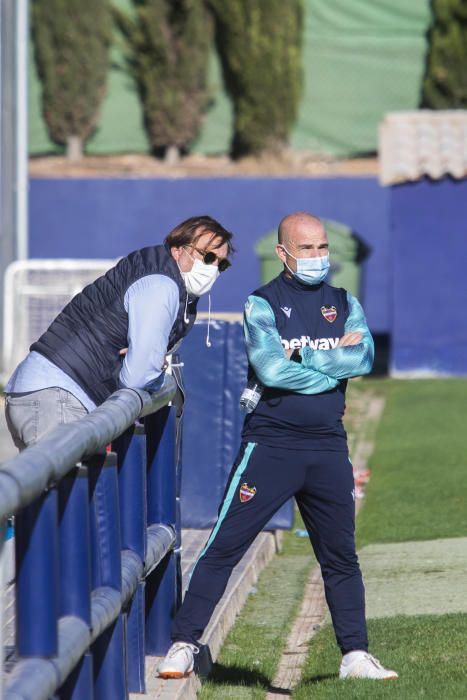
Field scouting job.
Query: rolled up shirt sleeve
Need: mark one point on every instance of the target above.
(267, 356)
(349, 361)
(152, 304)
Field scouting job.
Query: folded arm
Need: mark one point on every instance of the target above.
(351, 360)
(267, 356)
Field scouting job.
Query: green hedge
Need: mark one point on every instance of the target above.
(169, 42)
(71, 42)
(445, 84)
(259, 44)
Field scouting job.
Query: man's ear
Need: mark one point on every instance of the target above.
(175, 252)
(280, 252)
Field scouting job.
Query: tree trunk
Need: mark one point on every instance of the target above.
(172, 155)
(74, 149)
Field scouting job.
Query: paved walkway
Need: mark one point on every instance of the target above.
(244, 576)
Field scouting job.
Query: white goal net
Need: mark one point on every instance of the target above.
(35, 291)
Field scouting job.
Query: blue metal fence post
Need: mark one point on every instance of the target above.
(135, 642)
(108, 650)
(178, 515)
(161, 595)
(78, 685)
(161, 584)
(131, 454)
(160, 439)
(75, 570)
(109, 665)
(36, 544)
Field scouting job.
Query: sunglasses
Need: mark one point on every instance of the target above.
(209, 257)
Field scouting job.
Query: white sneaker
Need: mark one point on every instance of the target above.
(360, 664)
(179, 661)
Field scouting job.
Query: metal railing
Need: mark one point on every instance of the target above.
(97, 550)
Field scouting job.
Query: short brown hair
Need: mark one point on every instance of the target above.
(190, 230)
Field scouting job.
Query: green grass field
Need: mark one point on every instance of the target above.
(416, 492)
(427, 651)
(417, 488)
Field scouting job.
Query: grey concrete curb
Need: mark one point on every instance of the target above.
(244, 576)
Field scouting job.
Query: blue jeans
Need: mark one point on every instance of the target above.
(31, 415)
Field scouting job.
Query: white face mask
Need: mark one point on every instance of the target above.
(310, 270)
(200, 278)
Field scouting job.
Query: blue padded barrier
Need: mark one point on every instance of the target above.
(214, 379)
(69, 539)
(36, 545)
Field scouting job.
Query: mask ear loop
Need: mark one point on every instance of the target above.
(292, 256)
(208, 342)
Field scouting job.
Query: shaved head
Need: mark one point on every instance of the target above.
(300, 235)
(292, 223)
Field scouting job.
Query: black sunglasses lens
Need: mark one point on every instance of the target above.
(209, 258)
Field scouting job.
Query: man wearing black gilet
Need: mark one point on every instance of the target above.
(117, 332)
(304, 340)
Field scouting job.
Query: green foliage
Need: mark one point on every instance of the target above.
(71, 42)
(259, 43)
(445, 83)
(169, 42)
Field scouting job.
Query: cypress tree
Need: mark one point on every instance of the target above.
(259, 44)
(71, 42)
(169, 42)
(445, 83)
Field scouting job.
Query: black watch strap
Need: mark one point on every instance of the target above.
(295, 356)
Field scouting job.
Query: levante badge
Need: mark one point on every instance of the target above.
(329, 313)
(247, 492)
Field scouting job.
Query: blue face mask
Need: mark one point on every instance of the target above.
(310, 270)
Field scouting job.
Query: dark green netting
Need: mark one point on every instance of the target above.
(362, 58)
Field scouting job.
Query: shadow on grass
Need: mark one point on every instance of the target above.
(279, 691)
(310, 681)
(237, 675)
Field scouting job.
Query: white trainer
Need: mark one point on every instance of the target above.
(179, 661)
(360, 664)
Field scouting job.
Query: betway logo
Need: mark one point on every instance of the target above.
(305, 340)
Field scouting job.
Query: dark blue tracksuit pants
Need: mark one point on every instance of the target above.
(262, 479)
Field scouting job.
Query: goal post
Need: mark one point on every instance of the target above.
(35, 291)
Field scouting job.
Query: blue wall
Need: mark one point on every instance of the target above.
(429, 238)
(95, 218)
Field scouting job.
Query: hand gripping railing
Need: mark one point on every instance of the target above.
(97, 556)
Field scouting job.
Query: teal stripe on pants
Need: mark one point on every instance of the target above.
(229, 497)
